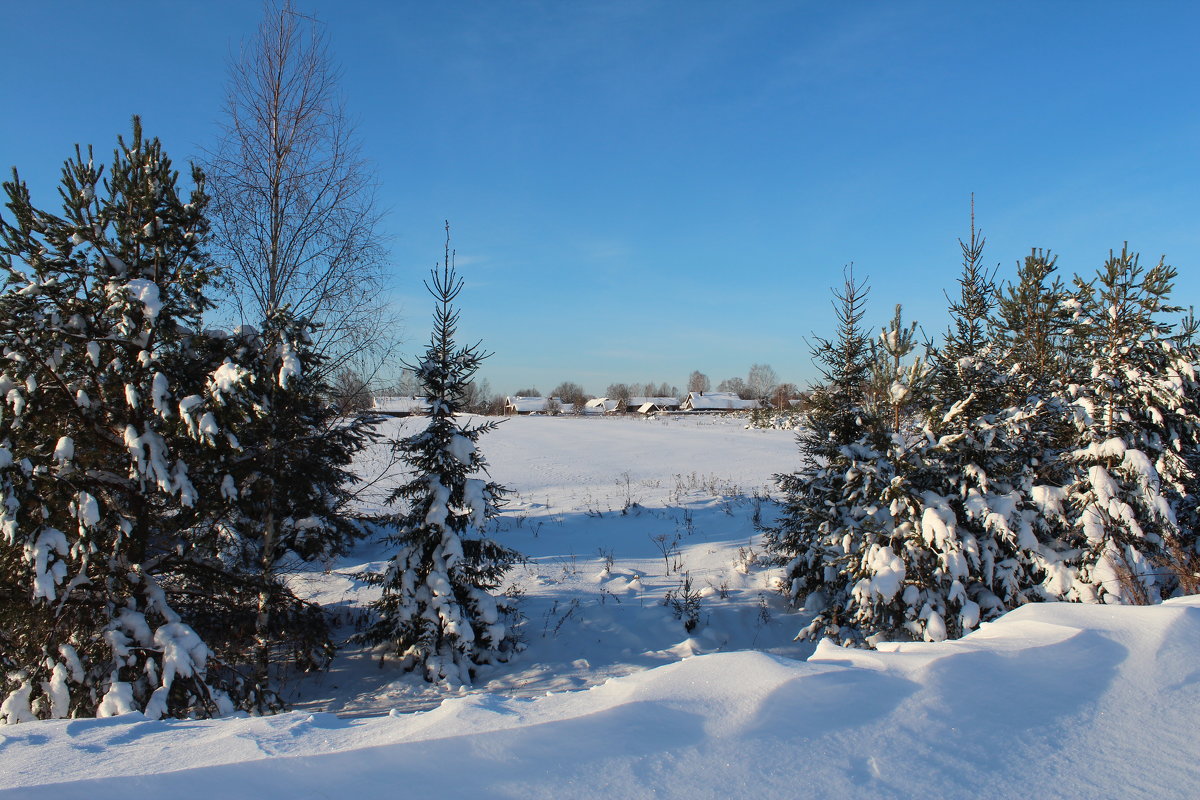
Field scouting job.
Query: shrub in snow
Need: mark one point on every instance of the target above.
(684, 601)
(438, 612)
(98, 468)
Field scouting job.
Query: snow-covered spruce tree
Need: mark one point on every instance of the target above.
(286, 489)
(1138, 425)
(97, 324)
(933, 534)
(954, 540)
(965, 532)
(821, 518)
(437, 611)
(1182, 559)
(963, 374)
(959, 518)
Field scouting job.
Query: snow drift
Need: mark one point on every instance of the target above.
(1057, 700)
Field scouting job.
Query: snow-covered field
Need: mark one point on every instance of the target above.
(612, 697)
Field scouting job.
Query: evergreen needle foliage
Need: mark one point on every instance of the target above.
(105, 425)
(154, 477)
(437, 612)
(1057, 459)
(840, 433)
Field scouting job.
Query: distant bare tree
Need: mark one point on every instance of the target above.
(293, 210)
(699, 382)
(618, 391)
(527, 393)
(408, 385)
(651, 389)
(570, 392)
(349, 392)
(478, 398)
(761, 381)
(494, 407)
(735, 385)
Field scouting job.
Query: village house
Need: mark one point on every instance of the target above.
(602, 405)
(536, 405)
(634, 405)
(717, 402)
(648, 405)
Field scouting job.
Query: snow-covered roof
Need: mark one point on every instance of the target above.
(717, 401)
(661, 402)
(400, 405)
(603, 405)
(525, 405)
(535, 405)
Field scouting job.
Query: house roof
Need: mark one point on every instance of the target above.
(662, 402)
(717, 401)
(526, 405)
(534, 405)
(604, 404)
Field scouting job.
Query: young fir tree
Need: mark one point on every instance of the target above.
(98, 325)
(1040, 356)
(1138, 426)
(816, 531)
(286, 487)
(1182, 559)
(963, 374)
(438, 611)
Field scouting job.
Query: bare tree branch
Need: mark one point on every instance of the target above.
(294, 213)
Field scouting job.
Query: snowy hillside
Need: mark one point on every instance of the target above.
(613, 697)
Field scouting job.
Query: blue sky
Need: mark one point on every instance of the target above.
(638, 190)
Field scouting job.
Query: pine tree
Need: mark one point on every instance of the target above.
(1034, 331)
(896, 386)
(99, 324)
(438, 611)
(1039, 352)
(1138, 427)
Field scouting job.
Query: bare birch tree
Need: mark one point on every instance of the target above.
(294, 214)
(761, 381)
